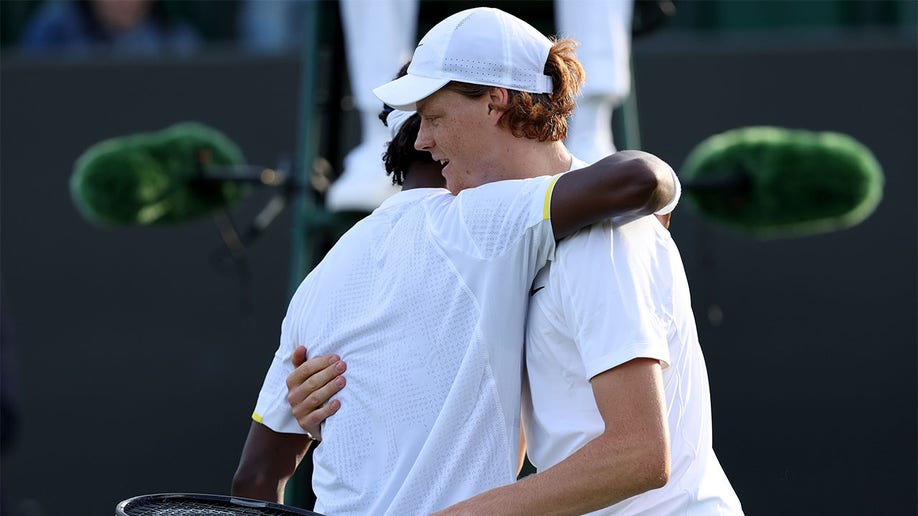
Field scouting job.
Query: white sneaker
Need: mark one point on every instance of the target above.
(363, 184)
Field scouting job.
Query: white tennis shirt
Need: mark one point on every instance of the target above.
(426, 298)
(615, 292)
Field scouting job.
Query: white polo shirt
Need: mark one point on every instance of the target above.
(426, 298)
(615, 292)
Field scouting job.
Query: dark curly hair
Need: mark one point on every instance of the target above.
(540, 116)
(400, 152)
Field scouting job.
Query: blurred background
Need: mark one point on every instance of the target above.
(132, 357)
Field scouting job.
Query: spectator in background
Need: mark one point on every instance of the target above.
(117, 27)
(272, 26)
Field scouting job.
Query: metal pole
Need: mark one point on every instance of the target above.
(298, 492)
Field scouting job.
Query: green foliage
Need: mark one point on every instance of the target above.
(145, 178)
(800, 182)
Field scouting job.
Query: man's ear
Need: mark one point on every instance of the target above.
(497, 100)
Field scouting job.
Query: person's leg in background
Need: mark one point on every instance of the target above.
(603, 28)
(380, 36)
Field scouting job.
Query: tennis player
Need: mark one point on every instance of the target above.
(617, 405)
(428, 295)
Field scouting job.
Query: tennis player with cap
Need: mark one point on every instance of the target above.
(427, 296)
(617, 405)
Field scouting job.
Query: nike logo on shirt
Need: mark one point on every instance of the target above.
(533, 290)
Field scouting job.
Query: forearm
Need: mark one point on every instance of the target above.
(627, 183)
(661, 176)
(604, 472)
(248, 484)
(264, 479)
(645, 181)
(630, 457)
(269, 459)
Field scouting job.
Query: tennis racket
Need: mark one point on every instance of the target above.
(187, 504)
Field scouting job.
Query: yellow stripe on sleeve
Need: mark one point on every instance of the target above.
(256, 417)
(546, 210)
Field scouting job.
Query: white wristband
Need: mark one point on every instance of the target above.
(677, 193)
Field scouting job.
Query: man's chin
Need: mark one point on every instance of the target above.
(454, 187)
(464, 182)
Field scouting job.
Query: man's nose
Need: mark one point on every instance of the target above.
(423, 142)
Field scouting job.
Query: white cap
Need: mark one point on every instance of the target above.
(483, 46)
(396, 119)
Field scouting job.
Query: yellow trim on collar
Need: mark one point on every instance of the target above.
(256, 417)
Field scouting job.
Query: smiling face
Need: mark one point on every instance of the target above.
(459, 131)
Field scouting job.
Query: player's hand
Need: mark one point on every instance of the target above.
(310, 387)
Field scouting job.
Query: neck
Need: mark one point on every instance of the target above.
(523, 158)
(424, 175)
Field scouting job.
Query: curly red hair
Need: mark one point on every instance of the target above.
(540, 116)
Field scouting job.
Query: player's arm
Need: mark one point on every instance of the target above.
(630, 457)
(270, 458)
(268, 461)
(626, 183)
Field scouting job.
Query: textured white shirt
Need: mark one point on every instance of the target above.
(613, 293)
(425, 300)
